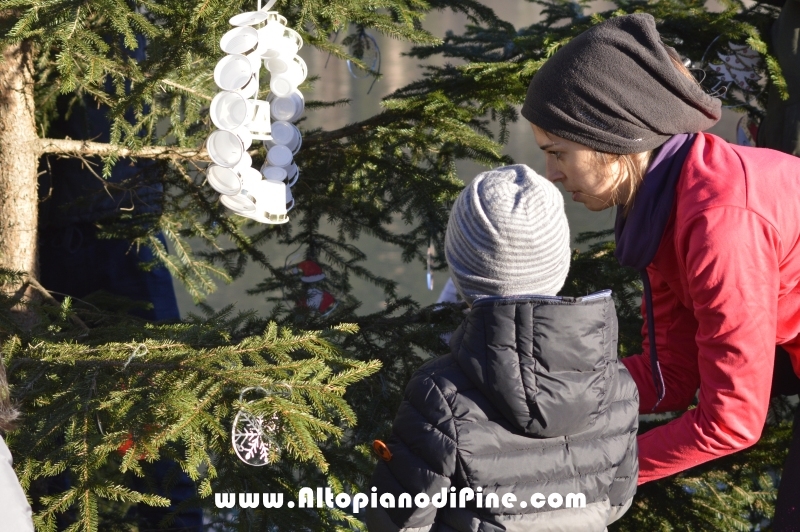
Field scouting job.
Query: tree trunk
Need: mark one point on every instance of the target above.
(18, 161)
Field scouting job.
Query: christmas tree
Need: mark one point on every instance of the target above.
(104, 394)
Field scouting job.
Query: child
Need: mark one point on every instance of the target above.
(531, 410)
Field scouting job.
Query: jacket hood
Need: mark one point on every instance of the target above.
(543, 362)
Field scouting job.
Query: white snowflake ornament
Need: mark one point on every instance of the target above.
(253, 437)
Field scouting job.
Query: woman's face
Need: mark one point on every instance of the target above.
(576, 167)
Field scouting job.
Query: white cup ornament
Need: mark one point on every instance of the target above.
(287, 108)
(258, 39)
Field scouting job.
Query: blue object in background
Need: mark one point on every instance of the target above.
(74, 261)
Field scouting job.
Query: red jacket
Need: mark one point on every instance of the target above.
(726, 289)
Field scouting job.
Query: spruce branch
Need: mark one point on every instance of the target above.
(84, 148)
(189, 90)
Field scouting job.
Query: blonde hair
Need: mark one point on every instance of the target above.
(632, 168)
(676, 61)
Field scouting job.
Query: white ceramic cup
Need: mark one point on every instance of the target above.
(278, 64)
(226, 148)
(287, 108)
(285, 134)
(245, 162)
(240, 204)
(271, 198)
(278, 41)
(270, 32)
(279, 155)
(229, 110)
(293, 174)
(239, 40)
(249, 18)
(274, 16)
(234, 72)
(288, 174)
(244, 135)
(250, 178)
(251, 88)
(270, 202)
(224, 180)
(274, 173)
(259, 123)
(285, 83)
(253, 193)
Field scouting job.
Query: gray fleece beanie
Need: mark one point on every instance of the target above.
(614, 88)
(508, 235)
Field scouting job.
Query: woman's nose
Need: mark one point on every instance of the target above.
(553, 174)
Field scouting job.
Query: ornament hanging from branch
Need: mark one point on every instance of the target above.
(253, 437)
(364, 47)
(739, 67)
(320, 301)
(259, 38)
(313, 292)
(309, 271)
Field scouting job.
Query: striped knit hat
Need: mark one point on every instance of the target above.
(508, 235)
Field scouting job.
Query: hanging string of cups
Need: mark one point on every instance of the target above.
(258, 38)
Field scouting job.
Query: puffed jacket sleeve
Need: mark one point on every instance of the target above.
(623, 488)
(731, 260)
(423, 458)
(15, 512)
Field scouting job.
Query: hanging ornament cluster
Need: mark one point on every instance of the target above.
(739, 67)
(258, 38)
(253, 436)
(314, 298)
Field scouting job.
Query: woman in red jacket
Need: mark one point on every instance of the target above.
(706, 223)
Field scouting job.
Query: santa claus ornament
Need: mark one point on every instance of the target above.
(312, 296)
(309, 271)
(320, 301)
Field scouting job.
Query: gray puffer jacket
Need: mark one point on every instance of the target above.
(533, 402)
